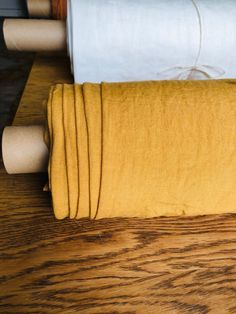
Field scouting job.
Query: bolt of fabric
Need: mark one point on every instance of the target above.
(144, 149)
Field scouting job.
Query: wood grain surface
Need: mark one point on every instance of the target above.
(46, 71)
(162, 265)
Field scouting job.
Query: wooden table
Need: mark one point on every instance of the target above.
(162, 265)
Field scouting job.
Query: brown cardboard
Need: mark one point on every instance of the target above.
(39, 8)
(34, 35)
(24, 149)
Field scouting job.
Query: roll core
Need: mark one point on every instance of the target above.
(39, 8)
(24, 149)
(34, 35)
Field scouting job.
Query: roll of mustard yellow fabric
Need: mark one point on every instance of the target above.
(142, 149)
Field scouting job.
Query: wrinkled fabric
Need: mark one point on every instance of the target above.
(142, 149)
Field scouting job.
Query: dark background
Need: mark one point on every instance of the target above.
(13, 8)
(14, 66)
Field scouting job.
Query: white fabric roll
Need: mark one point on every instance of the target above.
(135, 40)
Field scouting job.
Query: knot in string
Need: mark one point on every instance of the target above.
(196, 72)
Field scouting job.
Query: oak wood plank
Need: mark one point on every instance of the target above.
(162, 265)
(46, 71)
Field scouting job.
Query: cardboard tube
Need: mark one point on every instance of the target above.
(34, 35)
(24, 149)
(39, 8)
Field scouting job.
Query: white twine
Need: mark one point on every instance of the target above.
(196, 71)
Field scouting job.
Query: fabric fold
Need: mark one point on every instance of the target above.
(71, 148)
(83, 153)
(58, 171)
(92, 101)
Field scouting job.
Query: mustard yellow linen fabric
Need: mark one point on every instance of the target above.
(142, 149)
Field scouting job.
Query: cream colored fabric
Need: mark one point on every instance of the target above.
(143, 149)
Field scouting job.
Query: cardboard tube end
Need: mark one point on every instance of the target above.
(24, 149)
(34, 35)
(39, 8)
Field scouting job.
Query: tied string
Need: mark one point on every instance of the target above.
(197, 71)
